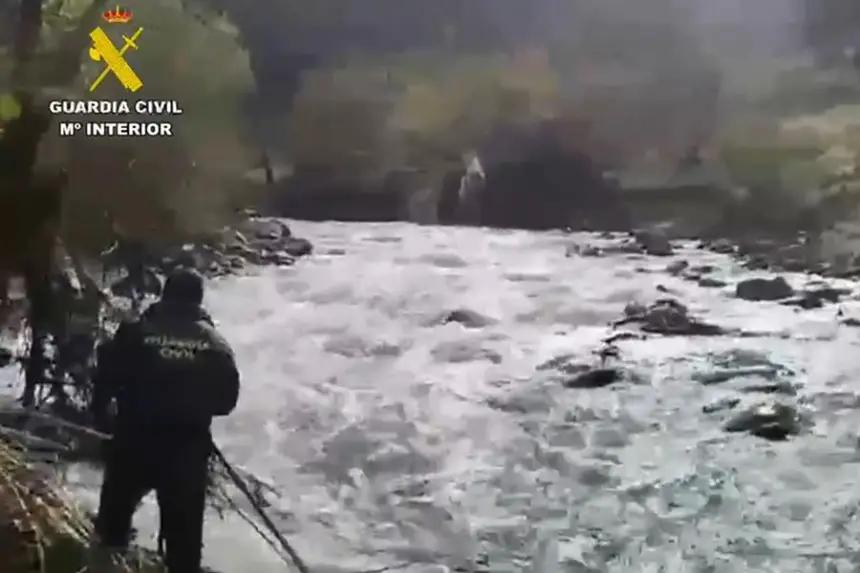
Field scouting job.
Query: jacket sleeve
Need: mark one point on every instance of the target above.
(108, 378)
(222, 376)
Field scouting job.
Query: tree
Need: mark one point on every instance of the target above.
(158, 188)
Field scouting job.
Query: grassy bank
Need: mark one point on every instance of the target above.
(40, 528)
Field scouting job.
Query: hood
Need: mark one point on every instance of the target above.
(170, 309)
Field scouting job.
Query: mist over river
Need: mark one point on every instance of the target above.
(401, 441)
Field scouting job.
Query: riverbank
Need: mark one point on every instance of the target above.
(41, 528)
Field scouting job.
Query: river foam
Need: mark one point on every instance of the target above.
(404, 442)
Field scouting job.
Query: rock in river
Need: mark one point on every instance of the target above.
(297, 247)
(668, 317)
(654, 243)
(708, 282)
(597, 378)
(769, 420)
(776, 288)
(722, 246)
(466, 317)
(817, 297)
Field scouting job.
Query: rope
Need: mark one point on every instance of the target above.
(267, 521)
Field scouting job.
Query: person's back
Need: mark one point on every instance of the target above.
(170, 373)
(180, 372)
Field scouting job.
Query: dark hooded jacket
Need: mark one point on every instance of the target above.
(170, 373)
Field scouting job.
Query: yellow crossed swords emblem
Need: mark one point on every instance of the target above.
(103, 49)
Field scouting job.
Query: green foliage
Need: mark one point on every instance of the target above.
(155, 188)
(419, 108)
(9, 108)
(760, 166)
(796, 161)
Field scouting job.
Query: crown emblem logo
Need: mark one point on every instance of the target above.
(118, 16)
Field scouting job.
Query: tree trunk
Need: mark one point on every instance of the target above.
(31, 225)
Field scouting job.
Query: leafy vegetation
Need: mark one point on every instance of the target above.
(422, 108)
(150, 188)
(40, 530)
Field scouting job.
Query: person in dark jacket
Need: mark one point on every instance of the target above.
(169, 373)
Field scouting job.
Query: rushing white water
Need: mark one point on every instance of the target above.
(398, 440)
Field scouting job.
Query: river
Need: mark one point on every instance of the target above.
(400, 441)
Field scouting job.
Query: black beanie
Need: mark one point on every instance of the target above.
(183, 286)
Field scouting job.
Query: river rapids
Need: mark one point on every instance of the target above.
(400, 441)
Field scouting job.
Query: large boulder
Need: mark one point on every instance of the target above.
(776, 288)
(654, 243)
(259, 228)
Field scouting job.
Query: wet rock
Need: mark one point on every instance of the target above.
(677, 267)
(816, 298)
(804, 302)
(263, 228)
(721, 405)
(282, 259)
(619, 336)
(722, 246)
(769, 420)
(784, 388)
(668, 316)
(597, 378)
(467, 318)
(828, 294)
(654, 243)
(776, 288)
(298, 247)
(254, 241)
(708, 282)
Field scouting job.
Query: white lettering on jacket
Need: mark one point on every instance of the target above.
(171, 348)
